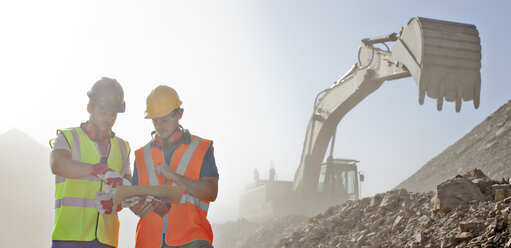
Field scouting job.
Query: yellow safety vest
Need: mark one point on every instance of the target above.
(76, 215)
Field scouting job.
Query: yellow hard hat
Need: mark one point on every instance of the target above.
(161, 101)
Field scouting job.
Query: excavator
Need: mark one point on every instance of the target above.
(443, 58)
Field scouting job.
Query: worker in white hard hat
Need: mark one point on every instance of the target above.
(89, 162)
(174, 157)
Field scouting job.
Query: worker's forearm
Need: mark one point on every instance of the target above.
(66, 167)
(72, 169)
(202, 189)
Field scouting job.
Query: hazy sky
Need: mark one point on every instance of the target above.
(247, 73)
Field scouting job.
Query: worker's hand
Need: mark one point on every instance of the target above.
(160, 207)
(105, 203)
(109, 176)
(142, 207)
(164, 170)
(130, 202)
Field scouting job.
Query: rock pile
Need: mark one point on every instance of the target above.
(466, 211)
(243, 233)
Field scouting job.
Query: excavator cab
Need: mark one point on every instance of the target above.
(338, 181)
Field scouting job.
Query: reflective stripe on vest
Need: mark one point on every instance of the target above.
(75, 202)
(181, 168)
(76, 215)
(76, 155)
(204, 206)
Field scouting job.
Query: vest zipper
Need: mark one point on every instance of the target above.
(165, 227)
(101, 185)
(97, 217)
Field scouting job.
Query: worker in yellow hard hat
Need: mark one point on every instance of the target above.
(174, 157)
(89, 162)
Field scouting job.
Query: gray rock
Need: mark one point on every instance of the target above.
(464, 236)
(501, 190)
(419, 237)
(454, 192)
(467, 226)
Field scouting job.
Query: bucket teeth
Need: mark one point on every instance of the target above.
(444, 58)
(439, 103)
(459, 97)
(476, 95)
(422, 94)
(458, 105)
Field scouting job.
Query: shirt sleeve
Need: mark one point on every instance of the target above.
(61, 142)
(134, 179)
(209, 168)
(128, 167)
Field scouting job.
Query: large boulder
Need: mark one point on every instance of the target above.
(452, 193)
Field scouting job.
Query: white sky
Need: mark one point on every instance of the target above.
(247, 73)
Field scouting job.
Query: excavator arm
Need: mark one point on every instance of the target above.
(444, 59)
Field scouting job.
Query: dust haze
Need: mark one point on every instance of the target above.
(248, 74)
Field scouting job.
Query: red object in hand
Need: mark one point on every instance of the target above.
(106, 174)
(100, 169)
(105, 204)
(161, 207)
(108, 205)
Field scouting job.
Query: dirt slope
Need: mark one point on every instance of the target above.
(487, 147)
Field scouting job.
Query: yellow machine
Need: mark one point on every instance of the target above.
(443, 58)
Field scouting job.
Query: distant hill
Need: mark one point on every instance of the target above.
(26, 187)
(486, 147)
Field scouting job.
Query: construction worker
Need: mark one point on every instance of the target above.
(90, 161)
(174, 157)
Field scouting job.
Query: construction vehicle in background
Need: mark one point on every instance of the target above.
(443, 58)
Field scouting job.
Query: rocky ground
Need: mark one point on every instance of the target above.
(465, 211)
(435, 207)
(243, 233)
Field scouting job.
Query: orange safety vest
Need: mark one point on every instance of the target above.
(186, 221)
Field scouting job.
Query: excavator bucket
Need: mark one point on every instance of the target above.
(444, 59)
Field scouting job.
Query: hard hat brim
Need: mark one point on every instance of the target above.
(162, 113)
(118, 109)
(112, 109)
(157, 115)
